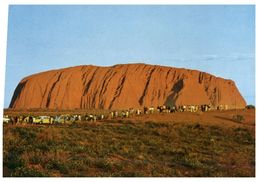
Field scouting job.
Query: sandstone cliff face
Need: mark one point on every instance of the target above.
(123, 86)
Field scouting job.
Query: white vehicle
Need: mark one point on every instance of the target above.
(6, 119)
(43, 120)
(62, 119)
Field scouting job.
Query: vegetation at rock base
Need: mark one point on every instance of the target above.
(238, 118)
(127, 148)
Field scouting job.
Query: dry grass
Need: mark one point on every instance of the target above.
(128, 148)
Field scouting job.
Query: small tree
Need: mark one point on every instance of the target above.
(250, 107)
(238, 118)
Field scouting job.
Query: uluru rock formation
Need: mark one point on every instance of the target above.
(123, 86)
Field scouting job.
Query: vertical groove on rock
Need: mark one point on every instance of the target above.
(118, 90)
(89, 82)
(105, 84)
(107, 77)
(141, 100)
(46, 89)
(50, 92)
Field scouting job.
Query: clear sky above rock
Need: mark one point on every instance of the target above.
(215, 39)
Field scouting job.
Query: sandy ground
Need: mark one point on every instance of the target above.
(218, 118)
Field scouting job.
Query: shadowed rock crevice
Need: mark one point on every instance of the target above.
(51, 90)
(89, 83)
(108, 76)
(118, 90)
(141, 100)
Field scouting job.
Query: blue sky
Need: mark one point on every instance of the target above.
(215, 39)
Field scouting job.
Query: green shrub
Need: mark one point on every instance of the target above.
(35, 159)
(103, 164)
(57, 165)
(131, 174)
(243, 136)
(27, 134)
(44, 147)
(27, 172)
(250, 107)
(151, 124)
(13, 159)
(238, 118)
(79, 149)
